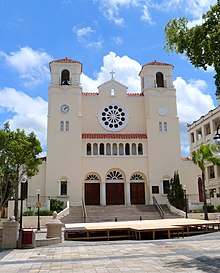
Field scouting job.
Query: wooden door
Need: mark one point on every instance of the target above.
(115, 194)
(92, 193)
(137, 193)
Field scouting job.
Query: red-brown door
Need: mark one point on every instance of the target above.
(92, 193)
(137, 193)
(115, 194)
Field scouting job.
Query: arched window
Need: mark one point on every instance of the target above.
(133, 148)
(159, 79)
(101, 149)
(88, 149)
(137, 176)
(121, 152)
(114, 149)
(127, 149)
(114, 175)
(65, 77)
(95, 149)
(140, 149)
(63, 187)
(92, 177)
(108, 149)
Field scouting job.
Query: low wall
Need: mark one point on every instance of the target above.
(31, 221)
(200, 216)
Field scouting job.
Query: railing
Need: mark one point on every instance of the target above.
(84, 211)
(158, 207)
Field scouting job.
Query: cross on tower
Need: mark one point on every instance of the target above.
(112, 73)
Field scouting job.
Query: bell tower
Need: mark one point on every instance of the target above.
(162, 124)
(63, 171)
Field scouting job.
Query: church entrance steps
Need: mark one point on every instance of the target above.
(112, 213)
(75, 215)
(121, 213)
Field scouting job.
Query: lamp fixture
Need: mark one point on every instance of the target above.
(215, 144)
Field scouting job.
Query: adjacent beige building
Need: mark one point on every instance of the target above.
(112, 147)
(203, 130)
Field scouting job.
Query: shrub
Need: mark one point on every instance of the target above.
(28, 213)
(56, 205)
(210, 208)
(198, 211)
(44, 212)
(218, 208)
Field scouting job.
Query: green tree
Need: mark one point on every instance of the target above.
(176, 192)
(200, 157)
(18, 159)
(199, 43)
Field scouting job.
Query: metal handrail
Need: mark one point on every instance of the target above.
(84, 210)
(158, 207)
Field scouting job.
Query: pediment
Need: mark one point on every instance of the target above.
(112, 84)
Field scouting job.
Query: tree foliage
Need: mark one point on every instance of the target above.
(18, 159)
(200, 43)
(200, 157)
(176, 192)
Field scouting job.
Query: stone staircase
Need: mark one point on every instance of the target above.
(75, 215)
(168, 214)
(116, 212)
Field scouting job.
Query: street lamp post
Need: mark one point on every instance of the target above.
(23, 181)
(38, 209)
(186, 201)
(215, 144)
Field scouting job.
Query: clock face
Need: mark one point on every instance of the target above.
(162, 110)
(65, 108)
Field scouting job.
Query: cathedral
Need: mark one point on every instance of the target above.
(111, 147)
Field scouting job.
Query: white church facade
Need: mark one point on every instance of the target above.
(111, 147)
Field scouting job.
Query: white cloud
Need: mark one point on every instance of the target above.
(192, 8)
(126, 71)
(86, 36)
(83, 32)
(117, 40)
(31, 65)
(146, 16)
(27, 113)
(192, 103)
(111, 9)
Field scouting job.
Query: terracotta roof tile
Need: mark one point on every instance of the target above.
(135, 94)
(158, 63)
(155, 63)
(113, 136)
(65, 60)
(90, 93)
(186, 158)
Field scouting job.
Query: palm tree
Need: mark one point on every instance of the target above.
(200, 157)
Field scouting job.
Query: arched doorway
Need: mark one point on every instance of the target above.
(115, 188)
(137, 189)
(92, 189)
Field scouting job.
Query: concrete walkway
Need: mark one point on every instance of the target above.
(200, 253)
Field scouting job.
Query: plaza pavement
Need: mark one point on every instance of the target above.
(195, 254)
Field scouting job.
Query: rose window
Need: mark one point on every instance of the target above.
(113, 117)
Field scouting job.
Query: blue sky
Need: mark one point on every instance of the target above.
(103, 35)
